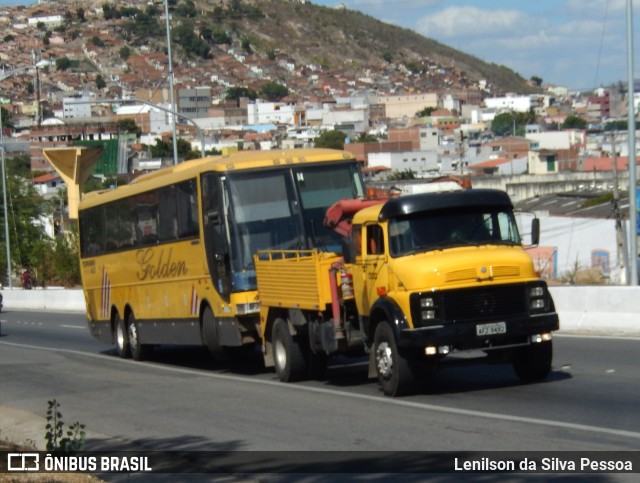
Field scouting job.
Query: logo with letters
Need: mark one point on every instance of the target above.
(23, 462)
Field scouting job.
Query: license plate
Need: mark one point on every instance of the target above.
(491, 329)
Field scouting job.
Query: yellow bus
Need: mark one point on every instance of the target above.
(168, 259)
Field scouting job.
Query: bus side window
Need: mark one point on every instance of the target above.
(188, 225)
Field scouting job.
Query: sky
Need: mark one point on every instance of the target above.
(579, 44)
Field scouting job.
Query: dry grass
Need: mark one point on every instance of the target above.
(40, 477)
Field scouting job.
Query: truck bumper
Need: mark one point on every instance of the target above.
(464, 336)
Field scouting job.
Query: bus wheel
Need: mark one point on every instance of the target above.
(287, 354)
(395, 376)
(139, 351)
(533, 362)
(210, 336)
(121, 337)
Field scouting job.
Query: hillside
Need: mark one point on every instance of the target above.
(314, 51)
(334, 39)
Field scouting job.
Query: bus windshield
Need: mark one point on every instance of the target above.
(435, 230)
(284, 210)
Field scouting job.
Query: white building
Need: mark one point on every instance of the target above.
(75, 107)
(421, 163)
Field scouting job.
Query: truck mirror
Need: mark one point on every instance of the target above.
(535, 231)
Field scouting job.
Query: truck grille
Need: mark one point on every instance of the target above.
(488, 303)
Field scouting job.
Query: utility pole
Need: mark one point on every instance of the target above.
(4, 198)
(171, 95)
(623, 261)
(631, 122)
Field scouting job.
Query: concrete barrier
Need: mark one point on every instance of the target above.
(605, 310)
(58, 299)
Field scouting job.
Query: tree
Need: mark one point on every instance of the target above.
(331, 139)
(574, 122)
(503, 124)
(427, 111)
(100, 82)
(124, 52)
(63, 63)
(272, 91)
(236, 93)
(129, 126)
(537, 81)
(7, 119)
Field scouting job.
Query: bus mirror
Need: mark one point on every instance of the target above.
(535, 231)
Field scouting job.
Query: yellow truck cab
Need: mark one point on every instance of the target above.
(421, 278)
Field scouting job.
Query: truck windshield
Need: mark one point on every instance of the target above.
(435, 230)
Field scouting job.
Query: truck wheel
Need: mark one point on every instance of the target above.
(394, 370)
(139, 351)
(533, 363)
(121, 337)
(287, 354)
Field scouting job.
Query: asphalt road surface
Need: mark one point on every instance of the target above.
(183, 400)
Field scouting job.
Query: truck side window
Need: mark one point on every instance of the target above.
(375, 240)
(356, 237)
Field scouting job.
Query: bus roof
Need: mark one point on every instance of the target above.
(239, 161)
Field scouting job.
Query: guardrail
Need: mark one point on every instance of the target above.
(603, 310)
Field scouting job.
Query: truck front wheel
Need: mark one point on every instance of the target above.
(395, 376)
(287, 353)
(533, 362)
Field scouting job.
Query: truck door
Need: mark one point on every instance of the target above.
(369, 273)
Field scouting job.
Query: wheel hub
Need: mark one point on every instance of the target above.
(384, 359)
(280, 355)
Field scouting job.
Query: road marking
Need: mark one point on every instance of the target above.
(364, 397)
(73, 326)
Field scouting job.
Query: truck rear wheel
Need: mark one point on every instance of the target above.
(287, 354)
(533, 362)
(395, 376)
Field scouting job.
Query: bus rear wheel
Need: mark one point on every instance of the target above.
(121, 337)
(139, 351)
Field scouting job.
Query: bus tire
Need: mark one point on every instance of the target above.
(533, 362)
(395, 375)
(139, 351)
(121, 337)
(288, 356)
(210, 336)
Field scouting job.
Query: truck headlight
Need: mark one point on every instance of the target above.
(538, 299)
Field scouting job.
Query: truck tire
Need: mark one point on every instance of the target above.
(120, 337)
(288, 356)
(395, 375)
(533, 362)
(139, 351)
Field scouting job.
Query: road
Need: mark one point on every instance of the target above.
(183, 400)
